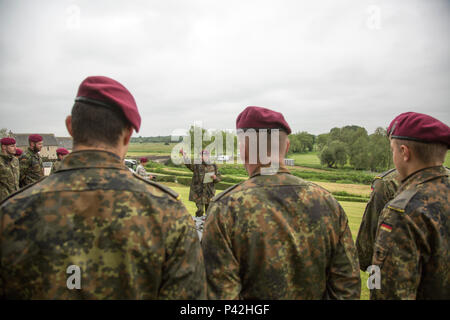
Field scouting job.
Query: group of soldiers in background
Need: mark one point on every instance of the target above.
(18, 169)
(273, 236)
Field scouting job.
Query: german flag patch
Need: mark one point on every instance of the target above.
(386, 227)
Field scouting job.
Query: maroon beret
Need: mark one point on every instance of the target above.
(18, 151)
(7, 141)
(35, 138)
(62, 151)
(261, 118)
(144, 160)
(109, 93)
(419, 127)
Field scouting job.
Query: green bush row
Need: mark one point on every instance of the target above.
(335, 176)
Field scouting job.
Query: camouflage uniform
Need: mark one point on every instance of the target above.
(202, 193)
(384, 187)
(132, 238)
(56, 166)
(279, 237)
(31, 167)
(9, 175)
(412, 245)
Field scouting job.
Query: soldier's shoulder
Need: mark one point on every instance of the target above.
(401, 201)
(386, 179)
(229, 191)
(158, 186)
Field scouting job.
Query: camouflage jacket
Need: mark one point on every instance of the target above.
(202, 192)
(9, 175)
(31, 167)
(279, 237)
(56, 166)
(384, 187)
(412, 245)
(131, 238)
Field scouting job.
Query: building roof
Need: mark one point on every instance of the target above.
(65, 142)
(49, 139)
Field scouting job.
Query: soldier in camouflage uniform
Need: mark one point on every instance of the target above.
(276, 236)
(130, 237)
(201, 193)
(412, 247)
(384, 187)
(31, 167)
(9, 168)
(61, 153)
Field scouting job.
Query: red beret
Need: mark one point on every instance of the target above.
(7, 141)
(109, 93)
(35, 138)
(261, 118)
(419, 127)
(144, 160)
(18, 151)
(62, 151)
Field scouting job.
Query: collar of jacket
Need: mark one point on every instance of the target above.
(91, 159)
(422, 176)
(281, 169)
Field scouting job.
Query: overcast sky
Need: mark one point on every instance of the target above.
(323, 64)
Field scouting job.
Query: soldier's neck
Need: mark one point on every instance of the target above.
(120, 152)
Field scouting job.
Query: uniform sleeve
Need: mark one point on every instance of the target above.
(218, 175)
(398, 256)
(222, 267)
(344, 280)
(184, 268)
(24, 164)
(366, 234)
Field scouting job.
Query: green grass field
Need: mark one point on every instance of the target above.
(354, 211)
(154, 148)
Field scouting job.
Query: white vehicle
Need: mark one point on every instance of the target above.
(223, 158)
(131, 164)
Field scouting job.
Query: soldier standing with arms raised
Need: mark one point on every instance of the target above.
(276, 236)
(131, 238)
(9, 168)
(412, 247)
(31, 167)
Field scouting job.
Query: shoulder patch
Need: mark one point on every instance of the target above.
(23, 189)
(159, 186)
(226, 191)
(400, 202)
(381, 176)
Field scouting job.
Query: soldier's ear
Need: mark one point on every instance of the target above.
(127, 136)
(69, 125)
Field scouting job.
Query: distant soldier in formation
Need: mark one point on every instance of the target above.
(31, 167)
(384, 187)
(205, 175)
(276, 236)
(412, 247)
(61, 153)
(140, 170)
(9, 168)
(18, 153)
(129, 238)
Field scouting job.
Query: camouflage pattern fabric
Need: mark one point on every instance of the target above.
(384, 187)
(200, 192)
(412, 245)
(56, 165)
(9, 175)
(279, 237)
(31, 167)
(132, 238)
